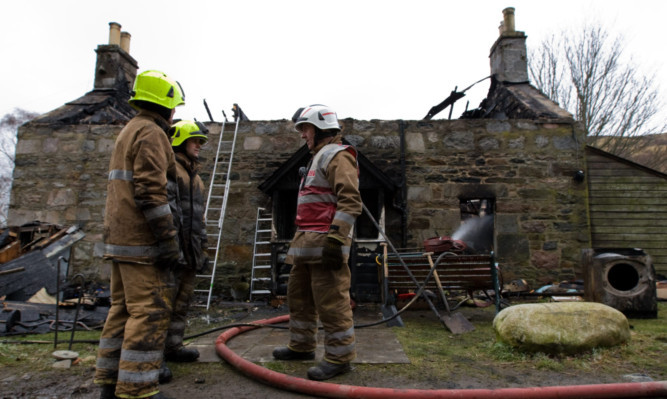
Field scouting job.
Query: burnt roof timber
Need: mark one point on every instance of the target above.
(268, 186)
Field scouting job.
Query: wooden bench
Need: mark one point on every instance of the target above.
(468, 273)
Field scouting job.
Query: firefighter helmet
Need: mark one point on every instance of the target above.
(183, 130)
(318, 115)
(158, 88)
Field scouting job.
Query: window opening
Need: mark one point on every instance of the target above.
(477, 224)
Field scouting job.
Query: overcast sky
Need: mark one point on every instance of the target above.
(366, 59)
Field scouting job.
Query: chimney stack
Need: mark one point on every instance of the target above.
(509, 61)
(115, 68)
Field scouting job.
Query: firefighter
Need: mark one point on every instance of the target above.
(140, 240)
(187, 138)
(327, 207)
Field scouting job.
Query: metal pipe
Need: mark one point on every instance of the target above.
(55, 337)
(76, 313)
(404, 187)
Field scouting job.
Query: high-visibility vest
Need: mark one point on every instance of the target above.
(316, 203)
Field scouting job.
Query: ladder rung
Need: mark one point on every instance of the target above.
(204, 275)
(262, 242)
(202, 291)
(263, 254)
(262, 267)
(260, 292)
(261, 279)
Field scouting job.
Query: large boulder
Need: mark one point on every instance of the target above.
(561, 327)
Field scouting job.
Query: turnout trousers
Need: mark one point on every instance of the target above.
(133, 338)
(313, 291)
(185, 290)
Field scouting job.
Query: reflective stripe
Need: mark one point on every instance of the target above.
(140, 356)
(157, 212)
(339, 350)
(111, 343)
(119, 174)
(340, 335)
(302, 325)
(314, 252)
(347, 218)
(138, 376)
(107, 363)
(130, 250)
(305, 251)
(311, 198)
(302, 338)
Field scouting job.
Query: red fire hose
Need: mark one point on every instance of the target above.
(329, 390)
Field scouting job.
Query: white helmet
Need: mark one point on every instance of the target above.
(318, 115)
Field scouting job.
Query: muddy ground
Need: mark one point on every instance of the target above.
(220, 380)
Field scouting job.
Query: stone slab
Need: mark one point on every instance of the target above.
(375, 345)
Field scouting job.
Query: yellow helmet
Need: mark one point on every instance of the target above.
(158, 88)
(183, 130)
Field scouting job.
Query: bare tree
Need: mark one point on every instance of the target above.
(588, 75)
(9, 125)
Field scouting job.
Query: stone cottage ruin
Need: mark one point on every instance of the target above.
(515, 163)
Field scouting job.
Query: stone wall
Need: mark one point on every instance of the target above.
(60, 177)
(528, 167)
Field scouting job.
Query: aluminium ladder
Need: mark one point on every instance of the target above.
(260, 279)
(216, 202)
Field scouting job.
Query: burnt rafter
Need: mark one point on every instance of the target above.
(286, 175)
(517, 101)
(97, 107)
(449, 101)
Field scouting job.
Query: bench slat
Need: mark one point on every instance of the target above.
(456, 272)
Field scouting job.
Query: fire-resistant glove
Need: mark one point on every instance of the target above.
(332, 254)
(168, 254)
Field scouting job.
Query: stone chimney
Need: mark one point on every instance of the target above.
(115, 68)
(509, 63)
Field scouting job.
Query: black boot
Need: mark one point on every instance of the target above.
(325, 370)
(182, 355)
(285, 353)
(108, 391)
(165, 374)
